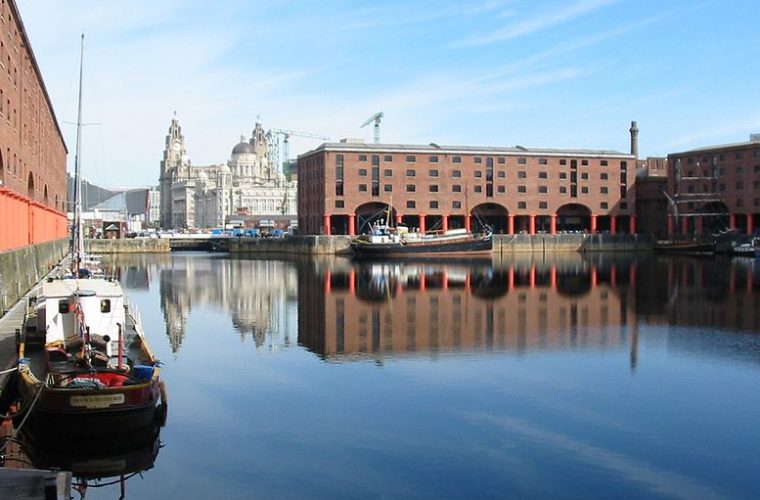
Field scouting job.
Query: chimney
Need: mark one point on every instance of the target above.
(635, 139)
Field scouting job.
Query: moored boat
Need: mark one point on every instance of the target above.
(83, 357)
(689, 247)
(82, 354)
(385, 241)
(746, 249)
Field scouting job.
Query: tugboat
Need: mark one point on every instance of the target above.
(384, 241)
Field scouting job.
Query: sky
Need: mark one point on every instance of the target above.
(548, 73)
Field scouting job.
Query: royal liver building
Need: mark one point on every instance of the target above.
(250, 184)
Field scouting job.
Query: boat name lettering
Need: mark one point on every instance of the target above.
(99, 401)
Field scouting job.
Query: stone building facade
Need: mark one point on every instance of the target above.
(249, 184)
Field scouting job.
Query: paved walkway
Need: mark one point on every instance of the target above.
(11, 321)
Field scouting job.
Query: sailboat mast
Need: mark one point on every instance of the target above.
(77, 252)
(388, 216)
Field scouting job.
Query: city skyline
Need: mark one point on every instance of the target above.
(555, 74)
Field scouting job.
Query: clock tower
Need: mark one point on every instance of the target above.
(171, 169)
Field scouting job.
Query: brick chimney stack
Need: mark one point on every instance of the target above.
(635, 139)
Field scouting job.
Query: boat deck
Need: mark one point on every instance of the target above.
(35, 353)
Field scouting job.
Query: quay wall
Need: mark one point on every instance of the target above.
(22, 268)
(506, 244)
(294, 245)
(338, 245)
(503, 244)
(129, 245)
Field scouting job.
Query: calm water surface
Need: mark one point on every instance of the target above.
(531, 378)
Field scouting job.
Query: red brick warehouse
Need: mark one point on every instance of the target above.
(344, 186)
(32, 150)
(716, 188)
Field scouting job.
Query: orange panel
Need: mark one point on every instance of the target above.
(24, 222)
(3, 222)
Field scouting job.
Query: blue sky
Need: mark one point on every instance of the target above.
(549, 73)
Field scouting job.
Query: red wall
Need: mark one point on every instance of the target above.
(25, 222)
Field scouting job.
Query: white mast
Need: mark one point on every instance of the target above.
(77, 251)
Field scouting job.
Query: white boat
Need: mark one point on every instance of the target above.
(84, 361)
(747, 249)
(84, 365)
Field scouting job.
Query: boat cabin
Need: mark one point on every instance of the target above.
(70, 307)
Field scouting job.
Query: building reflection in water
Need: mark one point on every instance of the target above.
(345, 309)
(429, 307)
(570, 302)
(257, 293)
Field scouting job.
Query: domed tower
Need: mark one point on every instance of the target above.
(243, 160)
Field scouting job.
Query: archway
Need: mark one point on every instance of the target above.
(489, 214)
(715, 217)
(488, 283)
(573, 284)
(573, 218)
(30, 187)
(369, 213)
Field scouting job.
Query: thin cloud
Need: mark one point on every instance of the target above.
(739, 128)
(658, 480)
(536, 24)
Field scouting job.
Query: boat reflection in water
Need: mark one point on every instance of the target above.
(106, 462)
(382, 309)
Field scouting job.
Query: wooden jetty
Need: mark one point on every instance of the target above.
(22, 484)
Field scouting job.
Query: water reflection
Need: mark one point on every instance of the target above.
(256, 294)
(346, 309)
(544, 390)
(573, 302)
(108, 461)
(394, 308)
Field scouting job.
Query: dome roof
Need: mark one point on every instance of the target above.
(243, 148)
